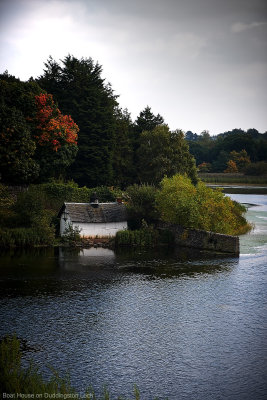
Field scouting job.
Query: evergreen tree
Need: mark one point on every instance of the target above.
(147, 121)
(122, 157)
(81, 92)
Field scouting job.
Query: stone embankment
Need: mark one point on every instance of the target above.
(202, 239)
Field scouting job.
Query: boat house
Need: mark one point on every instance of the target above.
(93, 219)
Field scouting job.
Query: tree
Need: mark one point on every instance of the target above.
(205, 139)
(163, 152)
(54, 132)
(81, 92)
(220, 162)
(204, 167)
(241, 159)
(259, 168)
(231, 167)
(147, 121)
(141, 205)
(36, 140)
(199, 207)
(122, 156)
(17, 148)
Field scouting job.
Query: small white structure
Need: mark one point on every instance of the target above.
(93, 219)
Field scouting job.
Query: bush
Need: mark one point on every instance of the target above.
(140, 205)
(199, 207)
(27, 237)
(71, 235)
(145, 237)
(259, 168)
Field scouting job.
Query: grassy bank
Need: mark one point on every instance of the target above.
(29, 381)
(217, 178)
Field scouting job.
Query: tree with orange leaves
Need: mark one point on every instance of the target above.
(231, 167)
(36, 140)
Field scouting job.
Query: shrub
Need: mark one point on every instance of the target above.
(259, 168)
(26, 237)
(141, 205)
(71, 235)
(199, 207)
(145, 237)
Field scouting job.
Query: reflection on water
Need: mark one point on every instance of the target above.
(185, 324)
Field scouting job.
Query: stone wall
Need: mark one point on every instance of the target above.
(202, 239)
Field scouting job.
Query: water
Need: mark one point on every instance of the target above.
(182, 325)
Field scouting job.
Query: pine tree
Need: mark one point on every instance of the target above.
(81, 92)
(122, 157)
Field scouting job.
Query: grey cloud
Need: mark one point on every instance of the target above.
(200, 63)
(240, 27)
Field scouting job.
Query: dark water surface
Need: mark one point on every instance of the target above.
(182, 325)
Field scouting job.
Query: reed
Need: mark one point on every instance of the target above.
(24, 237)
(14, 379)
(232, 178)
(145, 237)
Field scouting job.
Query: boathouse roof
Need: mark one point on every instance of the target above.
(94, 212)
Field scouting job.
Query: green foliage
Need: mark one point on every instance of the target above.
(80, 91)
(32, 218)
(6, 203)
(259, 168)
(218, 178)
(145, 237)
(29, 205)
(52, 195)
(23, 157)
(42, 235)
(17, 147)
(15, 379)
(199, 207)
(147, 121)
(163, 152)
(72, 235)
(140, 205)
(29, 381)
(122, 156)
(237, 145)
(241, 159)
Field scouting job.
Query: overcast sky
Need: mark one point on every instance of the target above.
(201, 64)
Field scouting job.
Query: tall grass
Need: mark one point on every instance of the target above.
(24, 237)
(145, 237)
(232, 178)
(29, 381)
(140, 237)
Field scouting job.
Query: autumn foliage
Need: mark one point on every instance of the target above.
(52, 127)
(37, 141)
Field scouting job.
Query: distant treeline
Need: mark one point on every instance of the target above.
(232, 151)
